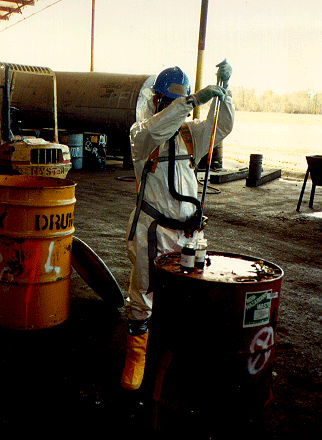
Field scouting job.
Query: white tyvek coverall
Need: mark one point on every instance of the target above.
(145, 137)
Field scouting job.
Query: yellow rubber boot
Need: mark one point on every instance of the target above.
(135, 361)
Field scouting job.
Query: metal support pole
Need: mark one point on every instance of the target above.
(201, 50)
(55, 109)
(92, 35)
(6, 134)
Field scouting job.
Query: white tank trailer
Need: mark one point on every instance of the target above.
(92, 102)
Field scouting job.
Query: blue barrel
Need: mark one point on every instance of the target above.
(75, 142)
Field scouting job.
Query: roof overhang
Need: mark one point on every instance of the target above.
(10, 7)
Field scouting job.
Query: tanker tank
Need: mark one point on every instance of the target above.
(104, 103)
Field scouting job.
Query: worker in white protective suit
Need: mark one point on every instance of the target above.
(167, 197)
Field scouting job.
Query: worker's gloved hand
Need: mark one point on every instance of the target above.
(204, 95)
(224, 73)
(194, 224)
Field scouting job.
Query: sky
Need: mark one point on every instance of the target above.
(270, 44)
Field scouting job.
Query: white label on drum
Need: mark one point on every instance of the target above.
(257, 309)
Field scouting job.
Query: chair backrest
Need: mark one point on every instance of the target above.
(315, 168)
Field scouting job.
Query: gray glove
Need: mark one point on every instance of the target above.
(204, 95)
(224, 73)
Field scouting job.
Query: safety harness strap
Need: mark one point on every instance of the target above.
(148, 167)
(162, 220)
(139, 200)
(186, 136)
(171, 174)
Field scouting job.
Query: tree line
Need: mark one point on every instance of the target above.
(306, 101)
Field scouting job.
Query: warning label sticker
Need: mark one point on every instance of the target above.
(258, 308)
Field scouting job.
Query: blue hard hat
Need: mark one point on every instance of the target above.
(172, 83)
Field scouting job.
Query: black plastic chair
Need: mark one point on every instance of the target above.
(315, 170)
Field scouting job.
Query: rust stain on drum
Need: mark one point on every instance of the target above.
(36, 217)
(220, 326)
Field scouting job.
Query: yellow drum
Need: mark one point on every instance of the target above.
(36, 231)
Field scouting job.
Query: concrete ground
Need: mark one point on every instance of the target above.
(65, 380)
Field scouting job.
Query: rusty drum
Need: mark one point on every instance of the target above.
(213, 335)
(36, 228)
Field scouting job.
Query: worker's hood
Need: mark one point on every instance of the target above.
(145, 107)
